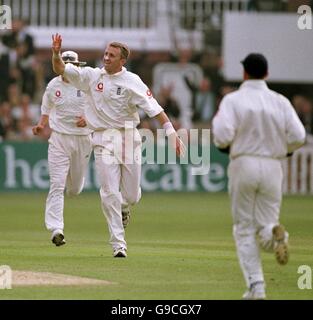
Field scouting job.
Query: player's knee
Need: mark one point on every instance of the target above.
(74, 188)
(56, 187)
(133, 198)
(73, 191)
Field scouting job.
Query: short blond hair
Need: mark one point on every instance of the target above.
(125, 52)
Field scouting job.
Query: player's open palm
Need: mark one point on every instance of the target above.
(56, 43)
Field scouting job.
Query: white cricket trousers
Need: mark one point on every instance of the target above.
(68, 157)
(118, 166)
(255, 187)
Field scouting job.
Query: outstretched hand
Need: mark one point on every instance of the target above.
(56, 43)
(57, 62)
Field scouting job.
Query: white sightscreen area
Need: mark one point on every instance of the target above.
(289, 50)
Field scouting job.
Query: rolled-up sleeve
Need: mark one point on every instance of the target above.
(223, 124)
(142, 98)
(77, 76)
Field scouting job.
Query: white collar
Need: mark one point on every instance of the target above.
(103, 71)
(254, 83)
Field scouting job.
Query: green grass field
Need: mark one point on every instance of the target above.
(180, 246)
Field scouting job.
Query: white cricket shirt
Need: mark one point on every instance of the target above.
(255, 120)
(63, 103)
(112, 99)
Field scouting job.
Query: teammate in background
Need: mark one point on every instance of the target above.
(69, 145)
(114, 95)
(258, 127)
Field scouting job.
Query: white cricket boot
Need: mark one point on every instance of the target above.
(120, 253)
(255, 292)
(58, 237)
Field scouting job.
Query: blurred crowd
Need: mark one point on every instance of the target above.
(24, 77)
(19, 80)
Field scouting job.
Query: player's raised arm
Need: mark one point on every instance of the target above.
(57, 62)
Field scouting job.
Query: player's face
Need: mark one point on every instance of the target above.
(112, 60)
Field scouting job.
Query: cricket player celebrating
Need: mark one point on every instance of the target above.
(69, 145)
(114, 94)
(259, 127)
